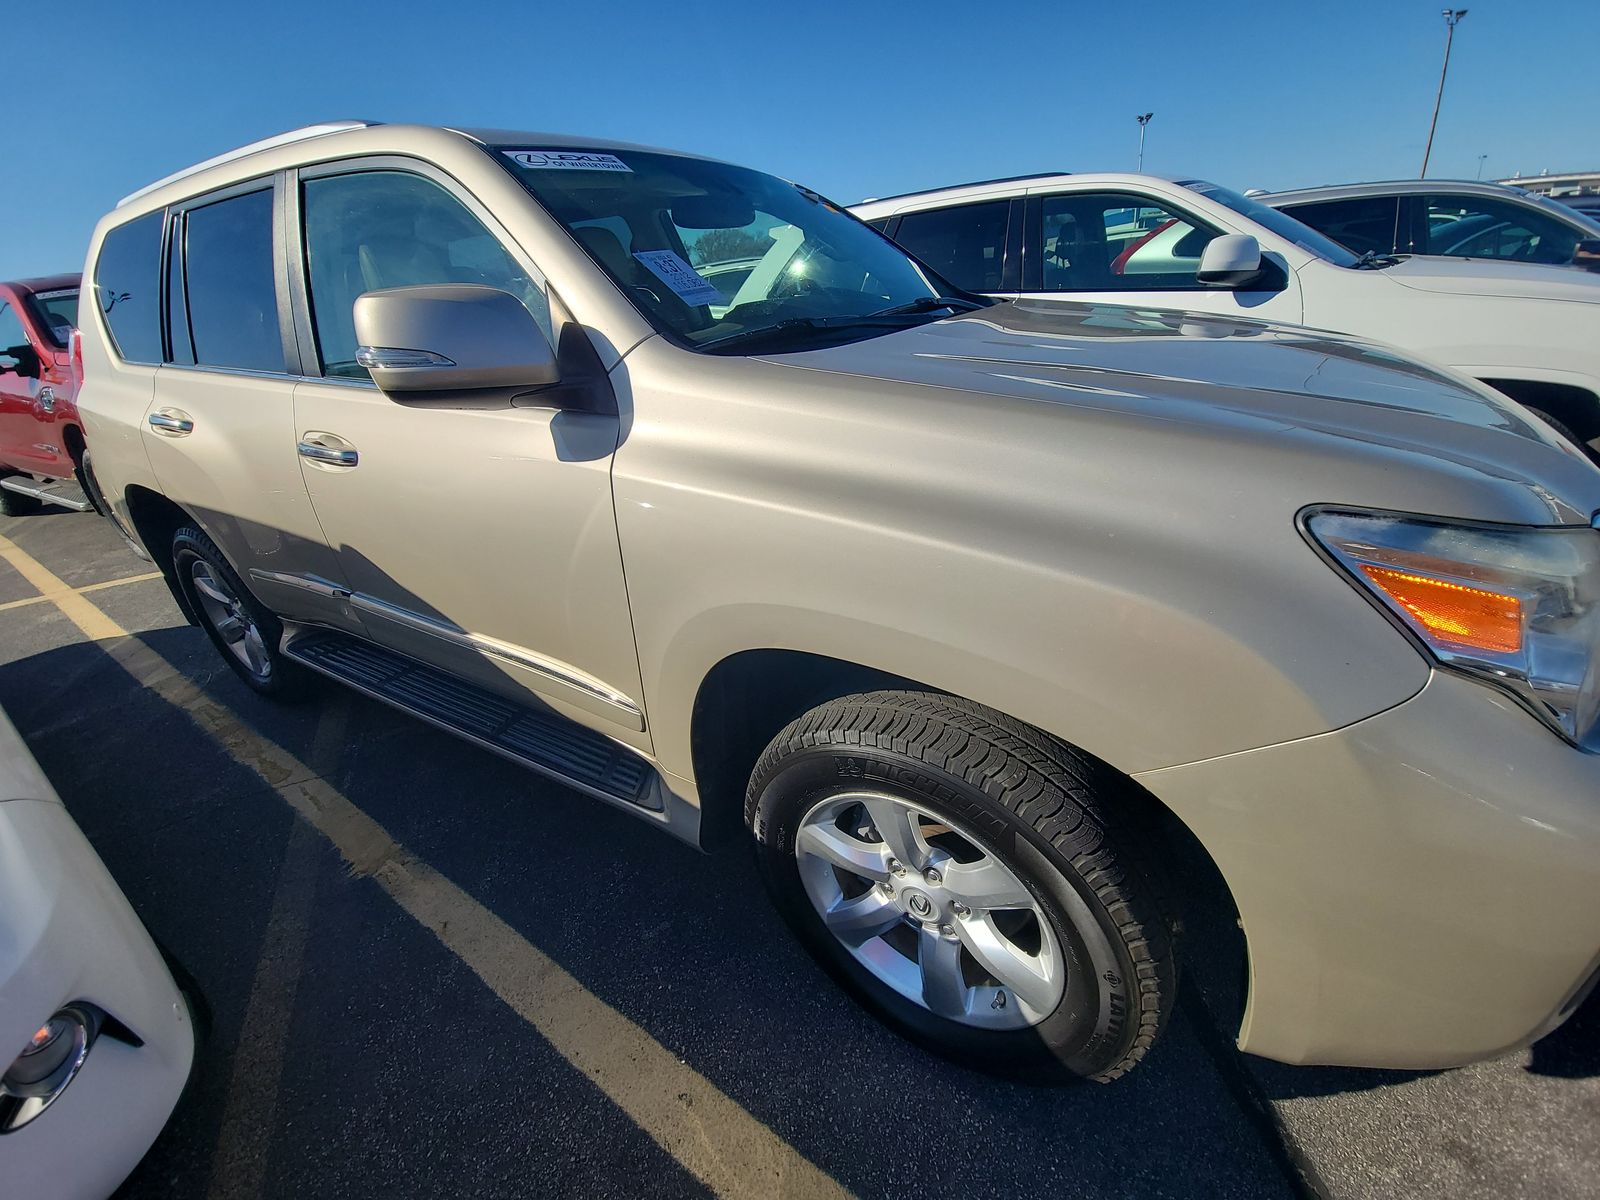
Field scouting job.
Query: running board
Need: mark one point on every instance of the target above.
(12, 484)
(549, 744)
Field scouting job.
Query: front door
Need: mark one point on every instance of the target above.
(1124, 248)
(481, 540)
(25, 444)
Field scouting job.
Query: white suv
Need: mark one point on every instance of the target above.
(1531, 331)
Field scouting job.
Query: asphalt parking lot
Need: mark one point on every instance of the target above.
(429, 973)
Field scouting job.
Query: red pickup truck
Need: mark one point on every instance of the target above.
(41, 438)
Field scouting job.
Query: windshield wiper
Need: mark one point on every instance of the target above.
(901, 316)
(1371, 260)
(924, 304)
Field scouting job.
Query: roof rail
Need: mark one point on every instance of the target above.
(974, 183)
(279, 139)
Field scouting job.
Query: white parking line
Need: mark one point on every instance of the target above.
(88, 587)
(711, 1135)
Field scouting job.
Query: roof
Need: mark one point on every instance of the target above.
(1388, 187)
(973, 183)
(45, 283)
(492, 137)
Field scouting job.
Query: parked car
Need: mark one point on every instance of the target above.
(960, 608)
(1453, 218)
(41, 437)
(97, 1037)
(1530, 331)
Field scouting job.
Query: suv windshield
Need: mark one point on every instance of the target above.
(712, 253)
(1281, 223)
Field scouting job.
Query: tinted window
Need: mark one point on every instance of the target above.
(384, 229)
(12, 336)
(1484, 227)
(127, 287)
(1111, 242)
(1361, 224)
(1281, 223)
(230, 281)
(57, 313)
(965, 244)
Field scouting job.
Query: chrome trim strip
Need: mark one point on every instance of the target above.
(515, 655)
(280, 376)
(310, 583)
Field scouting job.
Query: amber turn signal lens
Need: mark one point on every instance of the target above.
(1453, 612)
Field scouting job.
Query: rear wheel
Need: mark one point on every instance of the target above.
(962, 875)
(245, 632)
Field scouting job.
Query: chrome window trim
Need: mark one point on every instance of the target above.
(280, 375)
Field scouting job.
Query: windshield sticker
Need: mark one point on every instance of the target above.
(566, 160)
(669, 267)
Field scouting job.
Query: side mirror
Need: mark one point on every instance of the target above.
(1231, 260)
(1587, 254)
(23, 359)
(438, 341)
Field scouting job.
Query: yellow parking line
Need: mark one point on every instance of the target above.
(88, 587)
(710, 1134)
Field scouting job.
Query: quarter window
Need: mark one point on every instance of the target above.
(231, 284)
(1361, 224)
(385, 229)
(1110, 242)
(966, 244)
(127, 288)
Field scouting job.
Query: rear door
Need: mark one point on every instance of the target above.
(220, 428)
(1119, 247)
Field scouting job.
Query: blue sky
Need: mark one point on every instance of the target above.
(852, 99)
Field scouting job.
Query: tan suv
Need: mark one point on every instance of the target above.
(677, 483)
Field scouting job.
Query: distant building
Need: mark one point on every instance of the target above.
(1577, 183)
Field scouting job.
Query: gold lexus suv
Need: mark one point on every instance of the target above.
(673, 481)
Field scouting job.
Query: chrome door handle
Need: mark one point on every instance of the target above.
(327, 454)
(168, 423)
(47, 398)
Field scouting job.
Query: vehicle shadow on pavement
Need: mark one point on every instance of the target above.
(400, 1073)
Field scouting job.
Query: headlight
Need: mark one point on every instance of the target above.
(1517, 607)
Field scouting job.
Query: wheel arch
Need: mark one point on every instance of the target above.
(749, 696)
(156, 518)
(1576, 407)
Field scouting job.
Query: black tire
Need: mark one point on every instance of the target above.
(15, 504)
(280, 677)
(91, 486)
(1052, 816)
(1566, 431)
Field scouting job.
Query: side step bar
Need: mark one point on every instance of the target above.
(542, 740)
(13, 483)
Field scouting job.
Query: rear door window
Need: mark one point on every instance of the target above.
(231, 284)
(1360, 224)
(127, 288)
(965, 243)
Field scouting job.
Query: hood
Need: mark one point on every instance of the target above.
(1493, 277)
(1239, 380)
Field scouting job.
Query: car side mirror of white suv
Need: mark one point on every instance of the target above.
(451, 343)
(1231, 260)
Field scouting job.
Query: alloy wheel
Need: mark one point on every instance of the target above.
(930, 911)
(228, 615)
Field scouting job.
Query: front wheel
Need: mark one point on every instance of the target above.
(245, 632)
(962, 874)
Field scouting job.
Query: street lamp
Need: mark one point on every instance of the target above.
(1481, 157)
(1143, 119)
(1452, 18)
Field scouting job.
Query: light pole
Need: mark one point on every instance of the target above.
(1452, 18)
(1481, 157)
(1143, 119)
